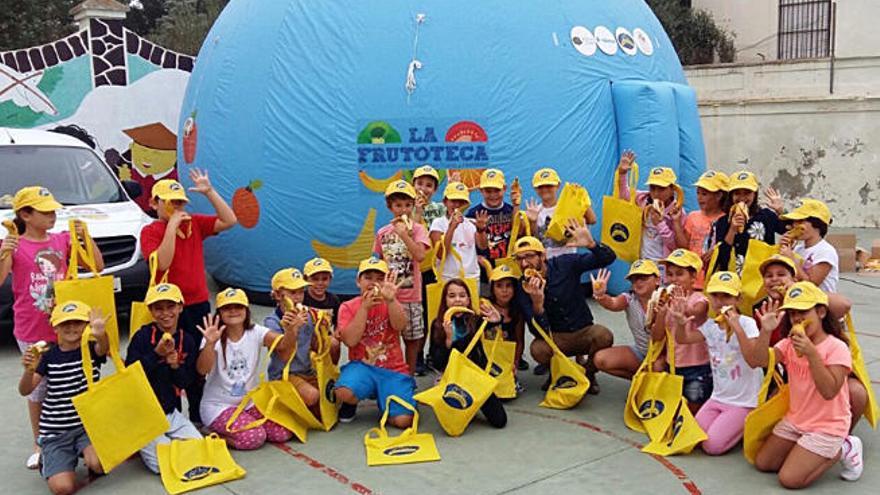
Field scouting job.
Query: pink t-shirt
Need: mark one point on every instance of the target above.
(689, 354)
(380, 343)
(698, 227)
(807, 409)
(36, 266)
(390, 247)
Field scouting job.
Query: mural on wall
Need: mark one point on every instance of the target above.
(122, 89)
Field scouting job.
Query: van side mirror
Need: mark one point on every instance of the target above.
(133, 188)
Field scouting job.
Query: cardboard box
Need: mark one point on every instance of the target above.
(847, 260)
(875, 249)
(842, 241)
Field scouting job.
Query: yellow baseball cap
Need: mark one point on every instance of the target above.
(372, 264)
(661, 176)
(810, 208)
(743, 180)
(778, 259)
(643, 267)
(37, 197)
(545, 177)
(70, 311)
(457, 190)
(288, 278)
(401, 187)
(426, 170)
(713, 181)
(492, 178)
(685, 259)
(503, 271)
(163, 292)
(803, 296)
(169, 190)
(528, 243)
(317, 265)
(724, 283)
(231, 296)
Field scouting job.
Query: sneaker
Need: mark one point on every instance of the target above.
(852, 460)
(522, 365)
(541, 369)
(33, 462)
(520, 388)
(546, 386)
(347, 413)
(421, 368)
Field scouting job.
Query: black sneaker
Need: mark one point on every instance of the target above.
(522, 365)
(541, 369)
(347, 413)
(546, 385)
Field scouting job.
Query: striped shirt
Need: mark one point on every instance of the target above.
(64, 377)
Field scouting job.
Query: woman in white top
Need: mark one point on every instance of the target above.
(230, 360)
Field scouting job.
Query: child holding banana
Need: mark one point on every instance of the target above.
(811, 220)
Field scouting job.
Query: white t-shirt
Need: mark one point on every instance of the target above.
(734, 381)
(233, 377)
(822, 252)
(552, 247)
(464, 240)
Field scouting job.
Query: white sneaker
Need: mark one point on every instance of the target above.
(852, 461)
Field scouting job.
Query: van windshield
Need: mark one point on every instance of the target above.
(75, 176)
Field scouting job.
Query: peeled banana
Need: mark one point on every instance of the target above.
(721, 320)
(532, 273)
(12, 231)
(795, 232)
(800, 329)
(407, 222)
(37, 350)
(451, 312)
(660, 295)
(742, 209)
(166, 336)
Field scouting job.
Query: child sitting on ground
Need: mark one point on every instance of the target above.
(503, 288)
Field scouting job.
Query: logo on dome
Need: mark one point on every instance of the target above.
(643, 41)
(606, 40)
(583, 40)
(378, 132)
(626, 41)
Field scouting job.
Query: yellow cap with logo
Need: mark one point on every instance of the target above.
(288, 278)
(457, 191)
(36, 197)
(70, 311)
(503, 271)
(230, 296)
(545, 177)
(372, 264)
(401, 187)
(492, 178)
(528, 243)
(317, 265)
(426, 171)
(713, 181)
(662, 177)
(685, 259)
(803, 296)
(643, 267)
(743, 180)
(169, 190)
(778, 259)
(163, 292)
(724, 283)
(810, 208)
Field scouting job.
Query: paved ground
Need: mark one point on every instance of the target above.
(540, 451)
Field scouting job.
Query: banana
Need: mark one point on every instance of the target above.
(37, 350)
(661, 295)
(486, 264)
(292, 307)
(742, 209)
(166, 336)
(451, 312)
(350, 255)
(378, 185)
(800, 329)
(679, 196)
(795, 232)
(532, 273)
(406, 221)
(721, 320)
(515, 193)
(376, 291)
(11, 231)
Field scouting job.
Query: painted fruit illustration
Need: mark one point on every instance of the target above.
(190, 137)
(246, 206)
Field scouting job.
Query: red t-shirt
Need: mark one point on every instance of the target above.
(187, 269)
(380, 344)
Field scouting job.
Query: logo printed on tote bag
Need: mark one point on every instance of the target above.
(619, 232)
(495, 370)
(402, 450)
(198, 472)
(564, 382)
(651, 409)
(676, 428)
(328, 391)
(457, 397)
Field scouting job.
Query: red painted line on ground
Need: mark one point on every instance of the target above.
(327, 470)
(686, 482)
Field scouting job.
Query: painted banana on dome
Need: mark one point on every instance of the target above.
(350, 255)
(378, 185)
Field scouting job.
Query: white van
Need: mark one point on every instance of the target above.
(89, 190)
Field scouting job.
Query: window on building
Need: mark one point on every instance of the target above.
(804, 29)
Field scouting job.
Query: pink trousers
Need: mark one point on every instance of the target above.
(723, 424)
(253, 438)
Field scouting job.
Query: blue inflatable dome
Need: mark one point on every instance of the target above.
(302, 111)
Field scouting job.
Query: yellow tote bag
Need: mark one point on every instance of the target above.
(140, 313)
(573, 203)
(683, 434)
(96, 291)
(622, 219)
(327, 373)
(861, 371)
(761, 420)
(654, 396)
(408, 447)
(568, 380)
(462, 390)
(187, 465)
(111, 406)
(434, 291)
(501, 353)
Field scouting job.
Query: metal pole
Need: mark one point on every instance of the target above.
(833, 42)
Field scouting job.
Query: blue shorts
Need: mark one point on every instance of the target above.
(639, 354)
(697, 382)
(372, 382)
(61, 453)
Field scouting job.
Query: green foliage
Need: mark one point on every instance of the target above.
(697, 39)
(184, 27)
(26, 23)
(143, 20)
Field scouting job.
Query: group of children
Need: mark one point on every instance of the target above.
(215, 358)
